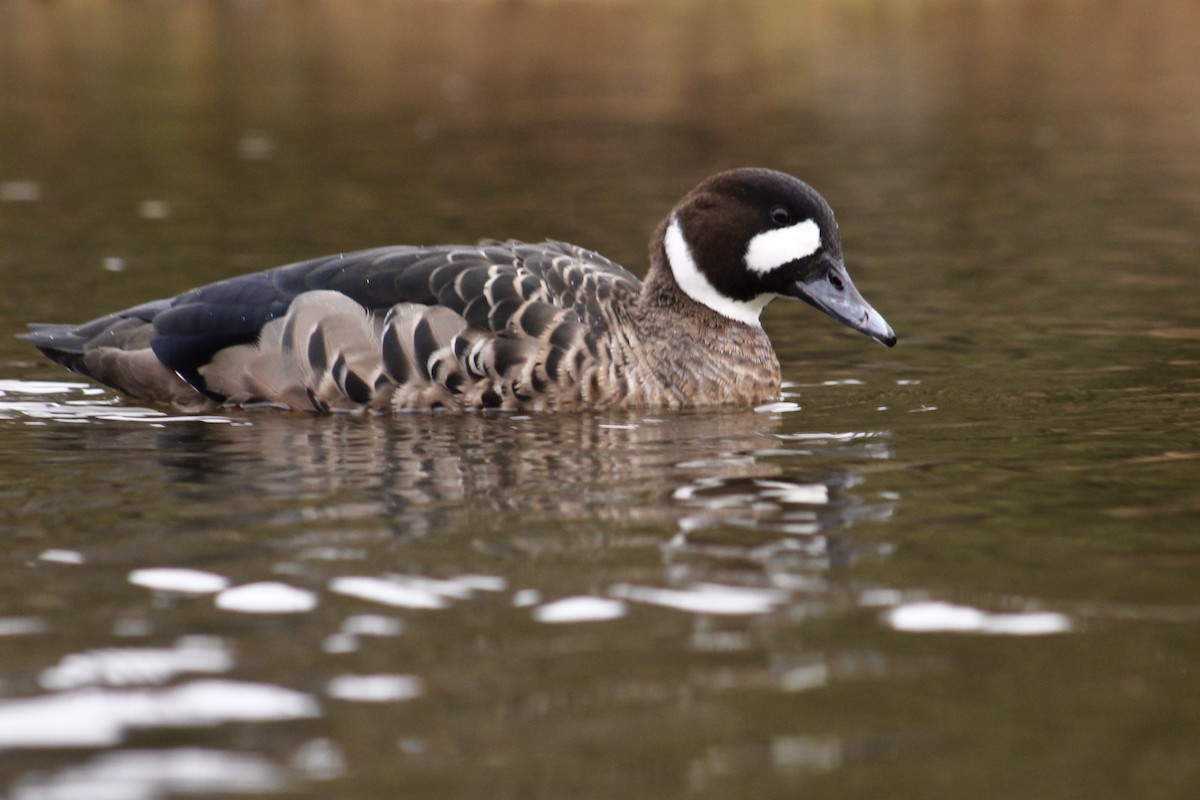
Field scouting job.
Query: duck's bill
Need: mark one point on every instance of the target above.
(832, 291)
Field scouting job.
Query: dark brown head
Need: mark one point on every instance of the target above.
(744, 237)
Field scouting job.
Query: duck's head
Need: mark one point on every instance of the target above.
(744, 237)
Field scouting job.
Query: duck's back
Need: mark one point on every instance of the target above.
(501, 325)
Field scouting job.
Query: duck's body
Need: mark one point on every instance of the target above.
(515, 326)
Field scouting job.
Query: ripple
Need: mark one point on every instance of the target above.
(372, 625)
(128, 666)
(389, 593)
(778, 408)
(938, 617)
(96, 717)
(20, 191)
(762, 506)
(39, 411)
(10, 386)
(58, 556)
(22, 626)
(794, 493)
(416, 591)
(526, 597)
(153, 774)
(355, 627)
(179, 579)
(580, 609)
(267, 597)
(375, 688)
(705, 598)
(828, 437)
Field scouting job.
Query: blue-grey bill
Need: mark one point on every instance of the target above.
(834, 293)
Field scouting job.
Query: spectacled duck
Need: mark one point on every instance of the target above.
(504, 325)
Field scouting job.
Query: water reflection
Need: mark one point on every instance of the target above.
(724, 481)
(267, 597)
(939, 617)
(154, 774)
(794, 755)
(30, 401)
(138, 666)
(102, 717)
(740, 518)
(374, 688)
(178, 579)
(568, 610)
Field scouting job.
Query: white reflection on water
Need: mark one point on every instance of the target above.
(939, 617)
(480, 583)
(778, 408)
(870, 444)
(579, 609)
(9, 386)
(415, 591)
(789, 755)
(803, 677)
(57, 556)
(20, 191)
(96, 717)
(267, 597)
(22, 626)
(38, 412)
(354, 627)
(526, 597)
(816, 494)
(816, 436)
(153, 774)
(807, 753)
(386, 592)
(783, 754)
(372, 625)
(129, 666)
(178, 579)
(838, 382)
(154, 209)
(374, 688)
(704, 598)
(764, 508)
(256, 146)
(779, 491)
(319, 760)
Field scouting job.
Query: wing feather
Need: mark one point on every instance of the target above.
(486, 322)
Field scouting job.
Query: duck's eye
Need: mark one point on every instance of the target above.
(837, 282)
(780, 216)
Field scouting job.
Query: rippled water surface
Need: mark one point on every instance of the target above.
(965, 567)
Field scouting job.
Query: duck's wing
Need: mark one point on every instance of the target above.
(349, 330)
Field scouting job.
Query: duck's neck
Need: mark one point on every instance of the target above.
(703, 355)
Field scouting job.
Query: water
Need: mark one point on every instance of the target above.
(963, 567)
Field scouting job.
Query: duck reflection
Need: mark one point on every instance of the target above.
(720, 480)
(734, 486)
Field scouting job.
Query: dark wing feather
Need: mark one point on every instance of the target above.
(510, 288)
(573, 277)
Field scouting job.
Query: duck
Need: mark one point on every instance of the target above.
(496, 325)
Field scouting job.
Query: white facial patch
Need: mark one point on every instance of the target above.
(696, 286)
(772, 249)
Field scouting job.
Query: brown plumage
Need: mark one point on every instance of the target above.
(503, 325)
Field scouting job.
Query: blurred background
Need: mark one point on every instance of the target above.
(963, 567)
(209, 137)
